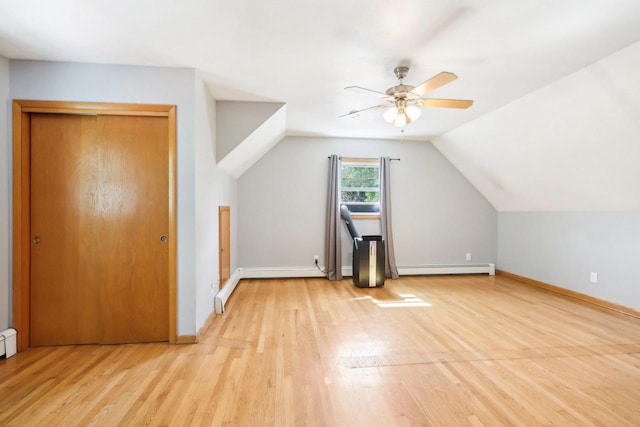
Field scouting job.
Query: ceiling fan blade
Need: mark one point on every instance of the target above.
(352, 112)
(445, 103)
(434, 83)
(357, 88)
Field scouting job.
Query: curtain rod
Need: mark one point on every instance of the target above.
(340, 157)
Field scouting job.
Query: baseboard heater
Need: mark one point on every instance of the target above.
(420, 270)
(223, 295)
(426, 270)
(8, 343)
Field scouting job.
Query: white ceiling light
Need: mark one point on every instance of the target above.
(402, 114)
(401, 119)
(390, 114)
(413, 112)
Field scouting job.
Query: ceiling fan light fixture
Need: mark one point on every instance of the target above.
(390, 115)
(413, 112)
(402, 119)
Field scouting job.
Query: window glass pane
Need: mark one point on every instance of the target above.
(360, 186)
(360, 176)
(360, 196)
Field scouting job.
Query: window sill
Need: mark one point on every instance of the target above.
(365, 216)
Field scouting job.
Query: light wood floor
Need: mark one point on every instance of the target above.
(443, 351)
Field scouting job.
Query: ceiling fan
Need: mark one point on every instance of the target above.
(403, 100)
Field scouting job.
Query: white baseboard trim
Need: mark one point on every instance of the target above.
(223, 295)
(289, 272)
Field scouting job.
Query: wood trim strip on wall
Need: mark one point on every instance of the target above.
(173, 228)
(571, 294)
(194, 339)
(112, 109)
(360, 159)
(186, 339)
(22, 187)
(220, 243)
(21, 231)
(365, 216)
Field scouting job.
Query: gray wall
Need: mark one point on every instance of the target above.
(214, 188)
(5, 206)
(232, 130)
(563, 248)
(114, 83)
(437, 215)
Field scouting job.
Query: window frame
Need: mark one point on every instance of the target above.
(355, 161)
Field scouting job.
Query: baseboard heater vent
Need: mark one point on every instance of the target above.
(284, 272)
(8, 342)
(223, 295)
(489, 269)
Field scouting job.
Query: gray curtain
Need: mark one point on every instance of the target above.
(390, 269)
(333, 246)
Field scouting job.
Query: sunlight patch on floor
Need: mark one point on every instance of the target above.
(405, 300)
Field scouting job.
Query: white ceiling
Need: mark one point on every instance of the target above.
(555, 123)
(573, 145)
(304, 52)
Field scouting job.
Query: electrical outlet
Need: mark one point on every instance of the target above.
(594, 277)
(316, 259)
(468, 256)
(213, 288)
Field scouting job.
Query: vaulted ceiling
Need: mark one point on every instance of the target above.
(552, 81)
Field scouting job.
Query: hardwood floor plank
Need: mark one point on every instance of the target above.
(437, 350)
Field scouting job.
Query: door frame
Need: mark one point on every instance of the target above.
(21, 171)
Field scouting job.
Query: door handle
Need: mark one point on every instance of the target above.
(36, 240)
(164, 239)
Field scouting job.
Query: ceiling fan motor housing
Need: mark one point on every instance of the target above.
(401, 72)
(400, 91)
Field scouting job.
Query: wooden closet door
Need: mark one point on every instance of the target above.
(100, 226)
(64, 170)
(134, 211)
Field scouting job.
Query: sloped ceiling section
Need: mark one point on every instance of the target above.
(245, 131)
(573, 145)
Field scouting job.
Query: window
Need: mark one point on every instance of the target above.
(360, 186)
